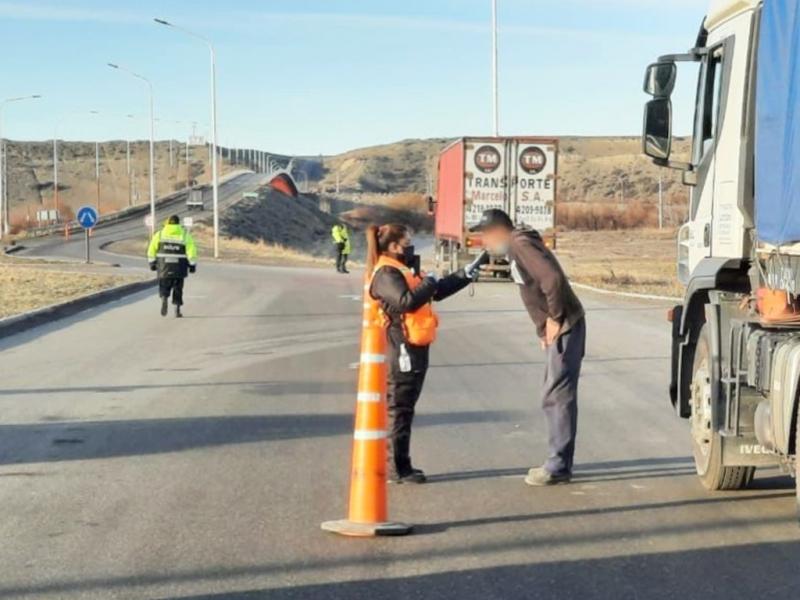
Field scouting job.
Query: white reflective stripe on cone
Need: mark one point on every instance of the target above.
(373, 359)
(368, 435)
(369, 397)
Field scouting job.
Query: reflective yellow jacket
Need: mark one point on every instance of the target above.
(173, 248)
(340, 235)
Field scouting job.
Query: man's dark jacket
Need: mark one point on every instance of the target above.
(544, 287)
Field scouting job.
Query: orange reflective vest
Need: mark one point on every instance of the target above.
(419, 326)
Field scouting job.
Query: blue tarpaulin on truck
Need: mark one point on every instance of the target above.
(778, 124)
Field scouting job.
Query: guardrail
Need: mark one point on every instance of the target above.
(126, 213)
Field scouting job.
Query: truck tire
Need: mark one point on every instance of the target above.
(706, 440)
(797, 463)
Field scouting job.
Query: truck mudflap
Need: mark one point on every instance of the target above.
(676, 316)
(747, 452)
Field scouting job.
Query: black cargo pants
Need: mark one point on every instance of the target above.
(403, 392)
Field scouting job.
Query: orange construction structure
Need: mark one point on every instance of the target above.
(369, 512)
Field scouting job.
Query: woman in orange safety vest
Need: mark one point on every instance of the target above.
(405, 297)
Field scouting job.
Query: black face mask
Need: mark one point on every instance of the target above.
(408, 257)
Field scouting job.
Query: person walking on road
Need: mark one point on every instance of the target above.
(561, 325)
(172, 252)
(341, 240)
(405, 296)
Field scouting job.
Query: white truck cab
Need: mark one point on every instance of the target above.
(736, 336)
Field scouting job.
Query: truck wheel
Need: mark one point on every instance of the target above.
(797, 465)
(706, 440)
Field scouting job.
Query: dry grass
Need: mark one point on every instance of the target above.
(638, 261)
(25, 287)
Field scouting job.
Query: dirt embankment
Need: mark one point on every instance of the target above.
(304, 224)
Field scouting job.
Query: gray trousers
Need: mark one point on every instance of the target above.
(560, 397)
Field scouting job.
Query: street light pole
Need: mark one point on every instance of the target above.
(495, 85)
(152, 143)
(214, 166)
(5, 213)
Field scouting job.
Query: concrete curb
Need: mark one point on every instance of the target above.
(48, 314)
(590, 288)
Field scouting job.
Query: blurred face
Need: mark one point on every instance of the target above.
(398, 249)
(497, 240)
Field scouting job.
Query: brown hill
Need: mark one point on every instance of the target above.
(593, 171)
(30, 175)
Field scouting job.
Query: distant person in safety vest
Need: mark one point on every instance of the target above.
(405, 295)
(561, 327)
(341, 241)
(173, 254)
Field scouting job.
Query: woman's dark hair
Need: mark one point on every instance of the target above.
(379, 239)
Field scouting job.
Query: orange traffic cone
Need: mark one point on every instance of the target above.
(369, 512)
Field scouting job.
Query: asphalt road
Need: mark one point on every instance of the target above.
(230, 192)
(143, 457)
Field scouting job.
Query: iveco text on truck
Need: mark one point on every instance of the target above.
(517, 175)
(736, 336)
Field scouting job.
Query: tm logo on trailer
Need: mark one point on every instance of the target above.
(487, 159)
(533, 160)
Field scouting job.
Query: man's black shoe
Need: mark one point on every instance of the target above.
(415, 476)
(178, 313)
(541, 477)
(164, 307)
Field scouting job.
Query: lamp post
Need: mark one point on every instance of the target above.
(5, 213)
(152, 143)
(621, 179)
(495, 85)
(214, 173)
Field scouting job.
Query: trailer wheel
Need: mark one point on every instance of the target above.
(706, 440)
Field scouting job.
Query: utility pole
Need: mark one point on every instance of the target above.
(128, 164)
(5, 213)
(97, 172)
(152, 142)
(495, 85)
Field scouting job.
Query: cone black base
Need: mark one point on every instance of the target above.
(352, 529)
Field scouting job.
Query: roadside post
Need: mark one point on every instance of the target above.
(369, 512)
(87, 218)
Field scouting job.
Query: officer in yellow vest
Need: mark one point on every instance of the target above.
(405, 299)
(341, 241)
(172, 252)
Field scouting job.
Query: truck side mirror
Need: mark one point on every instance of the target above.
(660, 78)
(431, 206)
(657, 139)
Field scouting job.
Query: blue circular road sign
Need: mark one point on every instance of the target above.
(87, 216)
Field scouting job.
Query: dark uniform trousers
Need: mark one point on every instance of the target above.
(173, 285)
(341, 257)
(403, 392)
(560, 396)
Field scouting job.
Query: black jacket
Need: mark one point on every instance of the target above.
(389, 287)
(544, 287)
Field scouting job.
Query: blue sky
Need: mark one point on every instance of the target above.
(324, 76)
